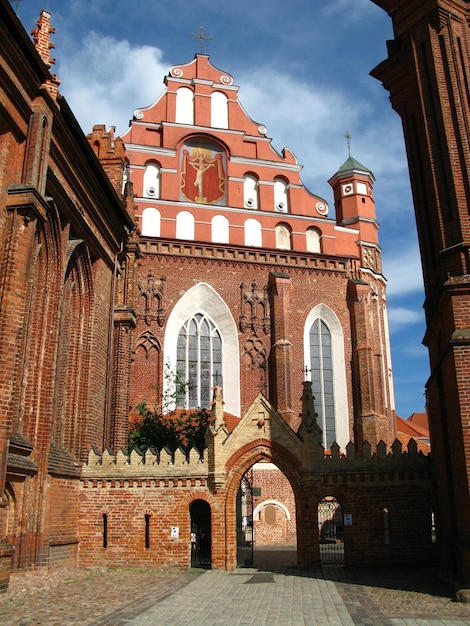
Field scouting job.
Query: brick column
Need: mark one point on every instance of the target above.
(280, 358)
(364, 369)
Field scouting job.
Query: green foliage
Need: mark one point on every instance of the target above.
(184, 429)
(164, 426)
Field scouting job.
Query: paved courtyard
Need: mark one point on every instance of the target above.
(273, 592)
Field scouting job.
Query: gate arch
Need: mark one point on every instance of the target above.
(237, 466)
(201, 533)
(330, 531)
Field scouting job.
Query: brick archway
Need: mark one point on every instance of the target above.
(238, 464)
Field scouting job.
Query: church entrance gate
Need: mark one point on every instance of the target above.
(330, 529)
(244, 518)
(201, 542)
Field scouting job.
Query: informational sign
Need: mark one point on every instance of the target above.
(348, 519)
(175, 532)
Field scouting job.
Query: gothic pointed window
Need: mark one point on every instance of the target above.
(321, 363)
(199, 360)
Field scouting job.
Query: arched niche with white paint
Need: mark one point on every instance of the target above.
(219, 110)
(185, 225)
(219, 229)
(150, 222)
(184, 106)
(341, 411)
(253, 235)
(202, 298)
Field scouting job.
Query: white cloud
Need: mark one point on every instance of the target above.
(105, 80)
(399, 317)
(348, 10)
(402, 269)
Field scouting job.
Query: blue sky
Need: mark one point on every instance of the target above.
(303, 70)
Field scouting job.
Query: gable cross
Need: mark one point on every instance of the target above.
(202, 38)
(260, 420)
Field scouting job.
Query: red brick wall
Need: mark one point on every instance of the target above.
(273, 526)
(62, 521)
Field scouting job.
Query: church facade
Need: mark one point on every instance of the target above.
(190, 246)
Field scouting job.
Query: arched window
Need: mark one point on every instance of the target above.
(185, 225)
(203, 299)
(253, 233)
(324, 357)
(283, 237)
(312, 237)
(151, 180)
(250, 191)
(219, 110)
(184, 106)
(220, 229)
(280, 195)
(151, 222)
(321, 364)
(199, 360)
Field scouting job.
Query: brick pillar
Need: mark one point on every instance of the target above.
(364, 369)
(280, 358)
(24, 207)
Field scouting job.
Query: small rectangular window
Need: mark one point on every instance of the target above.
(105, 530)
(147, 531)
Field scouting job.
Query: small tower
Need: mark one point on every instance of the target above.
(354, 200)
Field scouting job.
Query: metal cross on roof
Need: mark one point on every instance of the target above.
(202, 37)
(348, 137)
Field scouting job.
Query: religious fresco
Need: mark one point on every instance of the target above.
(203, 173)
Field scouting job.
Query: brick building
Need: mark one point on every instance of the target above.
(194, 247)
(428, 75)
(61, 230)
(246, 285)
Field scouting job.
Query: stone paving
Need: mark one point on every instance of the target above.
(272, 592)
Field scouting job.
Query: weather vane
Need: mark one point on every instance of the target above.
(202, 38)
(348, 137)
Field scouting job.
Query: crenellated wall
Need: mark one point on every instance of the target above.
(124, 496)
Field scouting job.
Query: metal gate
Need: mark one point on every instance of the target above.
(330, 529)
(245, 538)
(201, 544)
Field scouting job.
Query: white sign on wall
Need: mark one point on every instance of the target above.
(175, 532)
(348, 519)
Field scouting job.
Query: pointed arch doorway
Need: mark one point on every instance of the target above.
(266, 519)
(201, 539)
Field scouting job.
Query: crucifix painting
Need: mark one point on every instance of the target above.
(202, 174)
